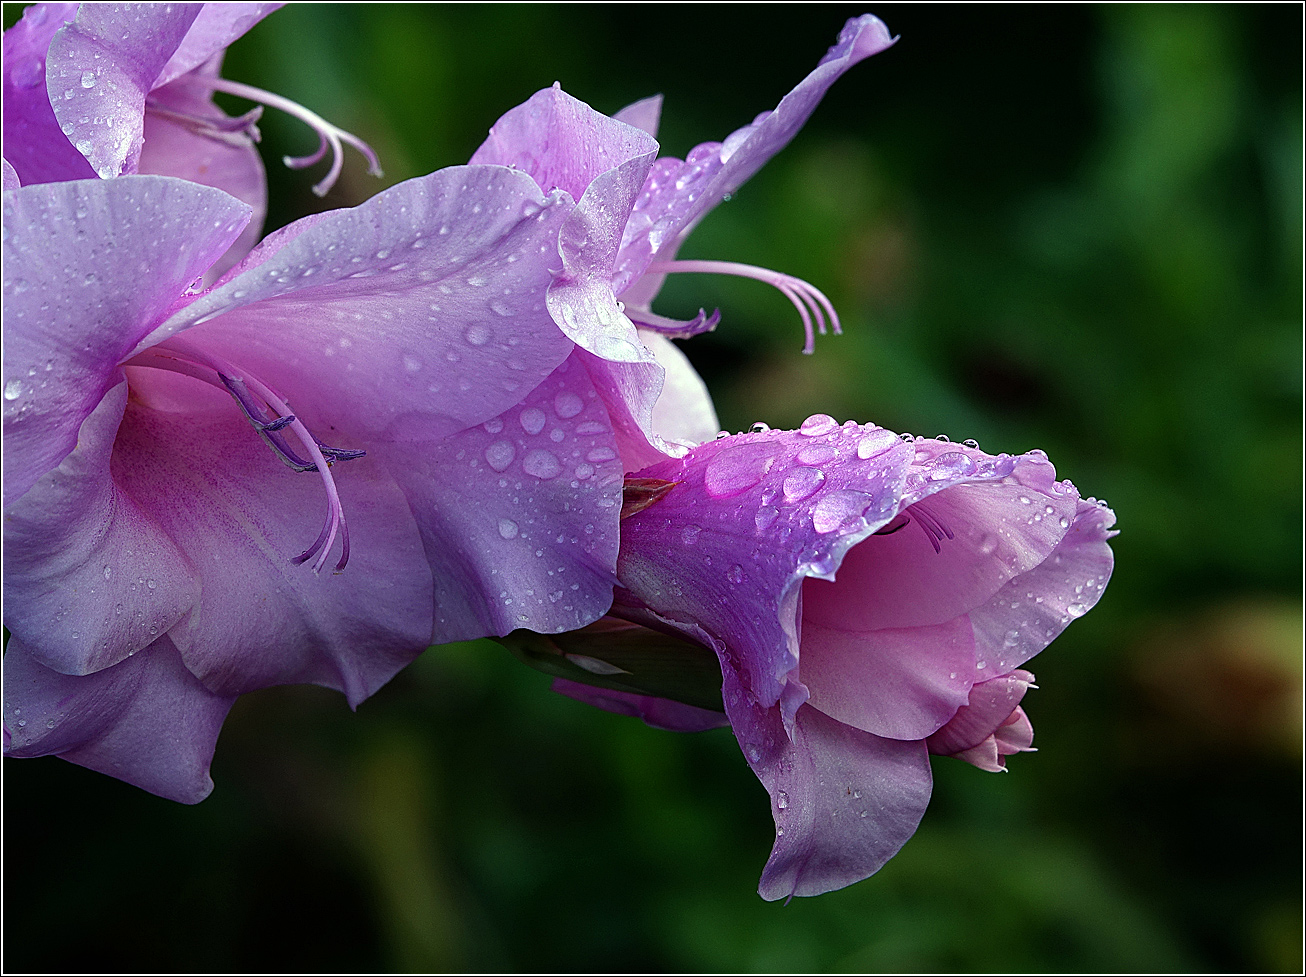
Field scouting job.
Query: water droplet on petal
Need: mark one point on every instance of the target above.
(802, 483)
(541, 464)
(567, 404)
(838, 509)
(782, 800)
(532, 420)
(88, 79)
(477, 334)
(737, 468)
(735, 574)
(507, 529)
(411, 363)
(500, 455)
(13, 389)
(765, 517)
(817, 425)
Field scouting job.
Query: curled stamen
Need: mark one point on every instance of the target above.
(812, 305)
(232, 131)
(328, 134)
(675, 328)
(253, 396)
(935, 530)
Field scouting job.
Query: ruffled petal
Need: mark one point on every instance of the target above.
(978, 523)
(844, 801)
(90, 578)
(518, 516)
(214, 28)
(644, 114)
(33, 141)
(989, 707)
(630, 391)
(562, 143)
(1030, 611)
(99, 70)
(127, 250)
(678, 195)
(417, 314)
(749, 518)
(146, 720)
(240, 516)
(667, 714)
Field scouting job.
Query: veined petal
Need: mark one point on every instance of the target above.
(1013, 627)
(146, 720)
(127, 250)
(33, 141)
(519, 515)
(989, 706)
(99, 70)
(644, 114)
(844, 801)
(562, 143)
(749, 519)
(238, 515)
(678, 194)
(90, 578)
(214, 28)
(418, 313)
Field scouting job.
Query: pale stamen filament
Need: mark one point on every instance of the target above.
(328, 134)
(178, 356)
(812, 305)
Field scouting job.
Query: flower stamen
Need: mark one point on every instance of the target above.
(812, 305)
(328, 135)
(255, 399)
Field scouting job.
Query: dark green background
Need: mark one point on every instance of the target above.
(1075, 228)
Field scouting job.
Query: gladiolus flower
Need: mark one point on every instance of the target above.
(112, 89)
(869, 600)
(633, 212)
(377, 390)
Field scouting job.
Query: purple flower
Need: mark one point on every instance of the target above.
(633, 212)
(377, 390)
(112, 89)
(870, 600)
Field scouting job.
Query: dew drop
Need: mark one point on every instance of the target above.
(13, 389)
(493, 426)
(541, 464)
(500, 455)
(567, 404)
(735, 574)
(507, 529)
(108, 571)
(601, 454)
(817, 425)
(802, 483)
(765, 517)
(690, 534)
(411, 363)
(88, 79)
(781, 800)
(816, 454)
(838, 509)
(737, 468)
(532, 420)
(477, 334)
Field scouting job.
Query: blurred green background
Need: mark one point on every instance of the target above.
(1075, 228)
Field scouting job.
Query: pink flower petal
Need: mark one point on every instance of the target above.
(146, 720)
